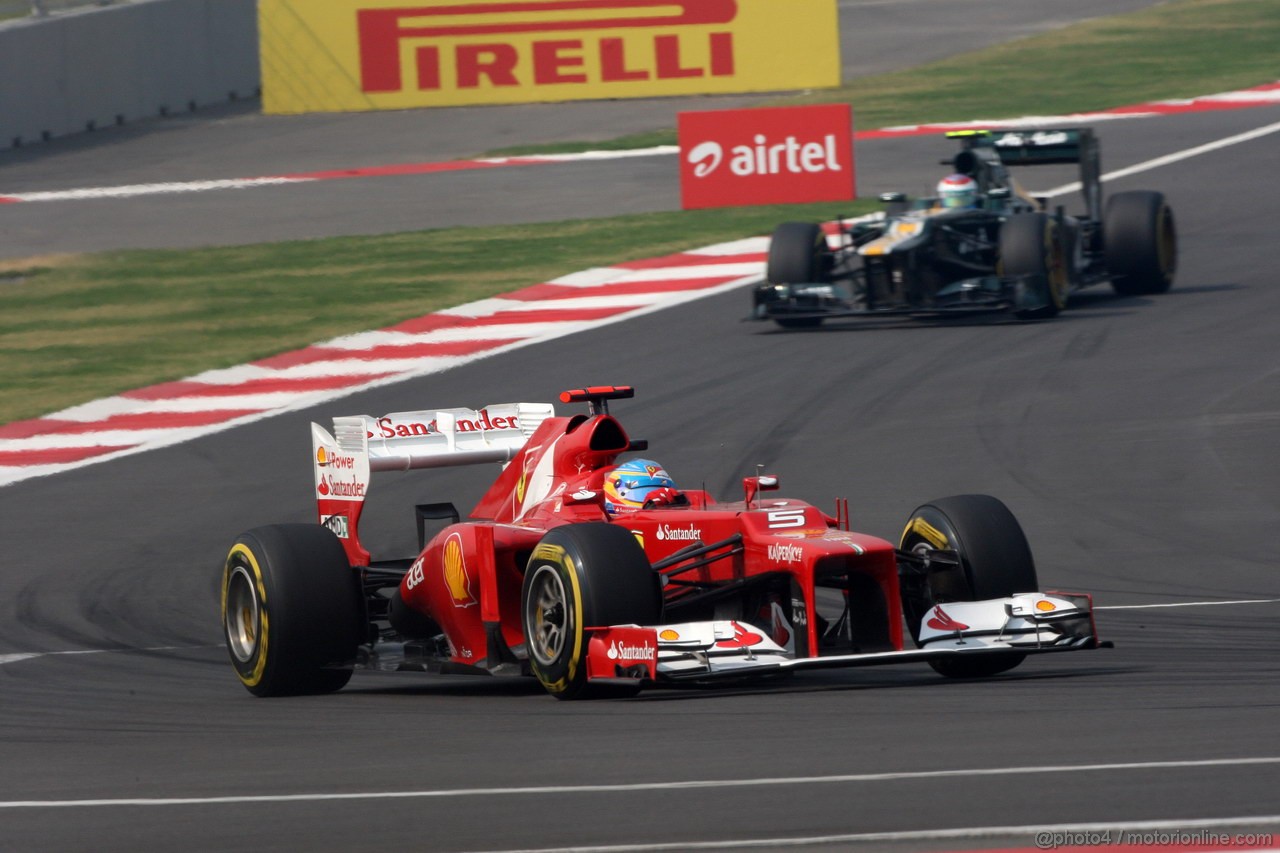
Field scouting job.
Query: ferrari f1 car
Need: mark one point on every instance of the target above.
(1003, 251)
(550, 578)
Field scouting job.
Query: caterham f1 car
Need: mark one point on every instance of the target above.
(599, 578)
(998, 249)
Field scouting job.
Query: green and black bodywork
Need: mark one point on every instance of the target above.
(1007, 253)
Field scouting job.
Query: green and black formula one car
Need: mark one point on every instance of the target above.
(982, 245)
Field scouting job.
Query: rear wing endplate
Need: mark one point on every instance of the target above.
(1035, 147)
(344, 460)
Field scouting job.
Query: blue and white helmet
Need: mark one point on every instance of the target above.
(630, 485)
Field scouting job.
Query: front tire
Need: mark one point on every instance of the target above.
(1030, 245)
(798, 254)
(995, 562)
(292, 613)
(581, 576)
(1141, 243)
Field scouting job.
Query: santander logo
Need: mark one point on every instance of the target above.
(667, 532)
(763, 157)
(742, 638)
(622, 651)
(942, 621)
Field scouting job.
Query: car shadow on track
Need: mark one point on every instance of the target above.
(815, 683)
(1086, 305)
(478, 686)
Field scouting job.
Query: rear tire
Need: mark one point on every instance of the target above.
(995, 562)
(580, 576)
(1030, 245)
(1141, 243)
(292, 612)
(797, 254)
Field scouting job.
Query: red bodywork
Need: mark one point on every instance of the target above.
(468, 577)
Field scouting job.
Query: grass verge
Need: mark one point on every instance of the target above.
(76, 328)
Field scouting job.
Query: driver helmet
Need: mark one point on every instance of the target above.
(955, 191)
(636, 482)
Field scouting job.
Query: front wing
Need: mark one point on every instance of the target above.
(982, 294)
(1026, 623)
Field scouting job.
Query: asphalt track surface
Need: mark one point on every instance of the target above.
(1133, 437)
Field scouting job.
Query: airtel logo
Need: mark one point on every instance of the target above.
(763, 158)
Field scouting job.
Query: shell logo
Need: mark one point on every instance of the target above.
(668, 634)
(1046, 606)
(322, 458)
(455, 573)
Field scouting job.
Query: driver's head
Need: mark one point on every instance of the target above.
(957, 191)
(635, 483)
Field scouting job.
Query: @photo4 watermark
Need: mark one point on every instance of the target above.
(1055, 839)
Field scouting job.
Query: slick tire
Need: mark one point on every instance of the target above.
(995, 562)
(1141, 243)
(797, 254)
(292, 612)
(1031, 245)
(582, 576)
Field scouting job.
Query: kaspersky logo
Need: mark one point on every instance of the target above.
(544, 42)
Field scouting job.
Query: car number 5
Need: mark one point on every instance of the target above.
(783, 518)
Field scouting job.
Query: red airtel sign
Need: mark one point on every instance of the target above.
(781, 155)
(500, 62)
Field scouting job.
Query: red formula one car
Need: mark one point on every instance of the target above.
(599, 578)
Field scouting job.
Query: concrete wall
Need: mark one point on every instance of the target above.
(103, 66)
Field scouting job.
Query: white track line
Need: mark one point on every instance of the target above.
(14, 658)
(1175, 157)
(709, 784)
(1187, 604)
(1194, 830)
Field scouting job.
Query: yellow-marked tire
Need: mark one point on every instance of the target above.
(1031, 245)
(995, 562)
(292, 612)
(1141, 243)
(582, 576)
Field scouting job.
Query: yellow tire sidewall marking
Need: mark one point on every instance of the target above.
(556, 554)
(925, 531)
(260, 658)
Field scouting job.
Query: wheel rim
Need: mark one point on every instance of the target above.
(548, 615)
(244, 615)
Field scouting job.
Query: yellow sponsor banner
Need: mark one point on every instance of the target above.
(339, 55)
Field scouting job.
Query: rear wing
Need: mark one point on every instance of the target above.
(985, 153)
(344, 460)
